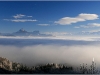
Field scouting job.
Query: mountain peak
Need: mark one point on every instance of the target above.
(22, 30)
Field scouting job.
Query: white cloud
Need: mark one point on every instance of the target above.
(43, 24)
(58, 33)
(81, 17)
(92, 31)
(68, 20)
(89, 25)
(94, 25)
(19, 16)
(23, 20)
(84, 26)
(20, 20)
(88, 16)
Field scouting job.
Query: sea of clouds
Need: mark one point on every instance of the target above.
(41, 50)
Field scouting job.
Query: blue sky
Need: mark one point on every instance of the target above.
(52, 17)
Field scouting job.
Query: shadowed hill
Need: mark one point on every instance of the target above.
(8, 67)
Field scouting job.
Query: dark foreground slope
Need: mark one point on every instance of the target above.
(4, 71)
(8, 67)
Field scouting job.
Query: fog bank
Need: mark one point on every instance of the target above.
(32, 55)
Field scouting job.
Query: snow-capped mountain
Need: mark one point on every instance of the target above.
(23, 32)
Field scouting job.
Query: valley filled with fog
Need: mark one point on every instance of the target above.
(41, 50)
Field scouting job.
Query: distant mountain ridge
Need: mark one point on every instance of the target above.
(23, 32)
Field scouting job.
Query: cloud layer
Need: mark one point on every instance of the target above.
(74, 53)
(81, 17)
(41, 54)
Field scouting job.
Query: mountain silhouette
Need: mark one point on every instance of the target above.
(23, 32)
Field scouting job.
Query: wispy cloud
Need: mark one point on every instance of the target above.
(43, 24)
(89, 25)
(93, 31)
(17, 16)
(58, 33)
(81, 17)
(21, 18)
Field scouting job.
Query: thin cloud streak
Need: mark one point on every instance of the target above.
(89, 25)
(19, 16)
(21, 20)
(81, 38)
(43, 24)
